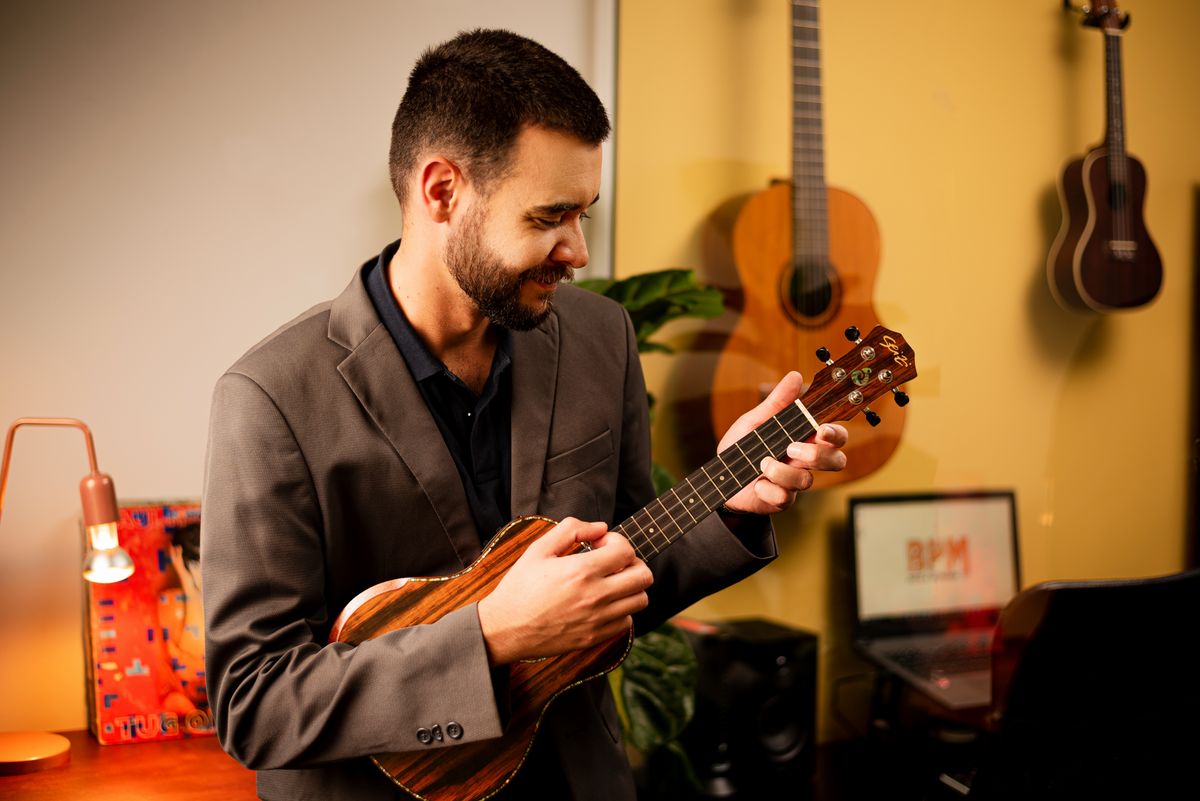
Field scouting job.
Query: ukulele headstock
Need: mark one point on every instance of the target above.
(878, 363)
(1104, 15)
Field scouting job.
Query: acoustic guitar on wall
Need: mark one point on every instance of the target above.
(1103, 258)
(806, 257)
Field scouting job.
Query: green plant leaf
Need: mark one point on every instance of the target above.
(658, 687)
(662, 477)
(654, 299)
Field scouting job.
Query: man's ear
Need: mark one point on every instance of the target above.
(441, 188)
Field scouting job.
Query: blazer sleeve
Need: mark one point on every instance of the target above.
(708, 558)
(283, 697)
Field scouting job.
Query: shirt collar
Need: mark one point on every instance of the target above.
(421, 363)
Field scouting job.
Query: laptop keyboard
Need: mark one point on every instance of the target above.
(960, 657)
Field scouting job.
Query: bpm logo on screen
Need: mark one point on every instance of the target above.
(938, 558)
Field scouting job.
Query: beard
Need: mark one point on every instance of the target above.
(493, 285)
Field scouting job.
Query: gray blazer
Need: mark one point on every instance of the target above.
(326, 474)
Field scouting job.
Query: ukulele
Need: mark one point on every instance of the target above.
(1103, 258)
(876, 365)
(806, 256)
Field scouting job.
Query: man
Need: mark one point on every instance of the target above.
(453, 385)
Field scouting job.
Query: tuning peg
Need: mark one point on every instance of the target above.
(872, 418)
(853, 335)
(823, 354)
(900, 396)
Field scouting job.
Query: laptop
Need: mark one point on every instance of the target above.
(931, 573)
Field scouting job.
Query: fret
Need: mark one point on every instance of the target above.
(645, 539)
(786, 433)
(650, 527)
(696, 493)
(670, 517)
(720, 478)
(686, 508)
(654, 527)
(749, 461)
(763, 441)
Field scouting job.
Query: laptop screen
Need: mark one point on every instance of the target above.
(924, 555)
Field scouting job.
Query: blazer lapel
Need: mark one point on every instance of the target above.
(379, 378)
(535, 372)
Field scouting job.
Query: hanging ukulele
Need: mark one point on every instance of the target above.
(806, 256)
(1103, 258)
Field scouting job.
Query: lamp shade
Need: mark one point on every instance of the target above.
(106, 561)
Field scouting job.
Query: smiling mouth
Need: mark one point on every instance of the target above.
(549, 277)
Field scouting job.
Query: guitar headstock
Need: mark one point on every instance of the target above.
(876, 364)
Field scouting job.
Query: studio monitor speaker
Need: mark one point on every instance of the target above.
(754, 729)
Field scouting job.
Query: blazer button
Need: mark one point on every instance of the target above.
(454, 730)
(424, 736)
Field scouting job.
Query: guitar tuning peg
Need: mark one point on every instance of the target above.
(823, 354)
(852, 334)
(873, 418)
(900, 396)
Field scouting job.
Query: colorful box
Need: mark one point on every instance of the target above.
(144, 641)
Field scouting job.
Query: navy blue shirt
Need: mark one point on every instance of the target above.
(478, 434)
(477, 430)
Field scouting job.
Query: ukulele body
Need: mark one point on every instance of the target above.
(772, 336)
(1103, 258)
(479, 769)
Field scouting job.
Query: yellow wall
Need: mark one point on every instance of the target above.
(951, 120)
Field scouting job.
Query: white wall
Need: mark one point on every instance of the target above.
(176, 180)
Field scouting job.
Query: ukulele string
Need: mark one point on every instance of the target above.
(792, 424)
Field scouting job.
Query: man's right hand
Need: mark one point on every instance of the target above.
(552, 601)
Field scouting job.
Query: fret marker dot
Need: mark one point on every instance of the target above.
(651, 530)
(720, 478)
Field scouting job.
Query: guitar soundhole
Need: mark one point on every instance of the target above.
(810, 293)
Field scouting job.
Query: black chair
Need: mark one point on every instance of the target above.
(1096, 693)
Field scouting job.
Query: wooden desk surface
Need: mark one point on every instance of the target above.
(179, 770)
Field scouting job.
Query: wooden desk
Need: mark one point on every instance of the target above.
(179, 770)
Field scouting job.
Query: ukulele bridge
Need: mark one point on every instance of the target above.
(1123, 249)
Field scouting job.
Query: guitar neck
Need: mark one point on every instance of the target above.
(680, 508)
(810, 216)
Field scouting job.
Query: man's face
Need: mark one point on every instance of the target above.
(511, 247)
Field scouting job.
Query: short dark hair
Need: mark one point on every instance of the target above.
(475, 93)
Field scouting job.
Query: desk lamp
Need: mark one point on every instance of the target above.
(106, 563)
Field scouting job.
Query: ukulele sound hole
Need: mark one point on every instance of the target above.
(810, 293)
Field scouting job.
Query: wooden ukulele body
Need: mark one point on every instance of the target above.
(474, 770)
(772, 337)
(1096, 264)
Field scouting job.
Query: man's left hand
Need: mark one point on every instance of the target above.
(776, 489)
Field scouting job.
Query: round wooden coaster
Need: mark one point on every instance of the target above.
(31, 751)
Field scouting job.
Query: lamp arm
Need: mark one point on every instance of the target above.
(42, 421)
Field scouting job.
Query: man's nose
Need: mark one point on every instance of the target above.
(571, 248)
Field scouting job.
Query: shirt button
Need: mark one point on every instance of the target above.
(454, 730)
(424, 736)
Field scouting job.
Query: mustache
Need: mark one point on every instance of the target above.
(550, 273)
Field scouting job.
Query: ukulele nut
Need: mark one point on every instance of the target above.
(867, 353)
(855, 397)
